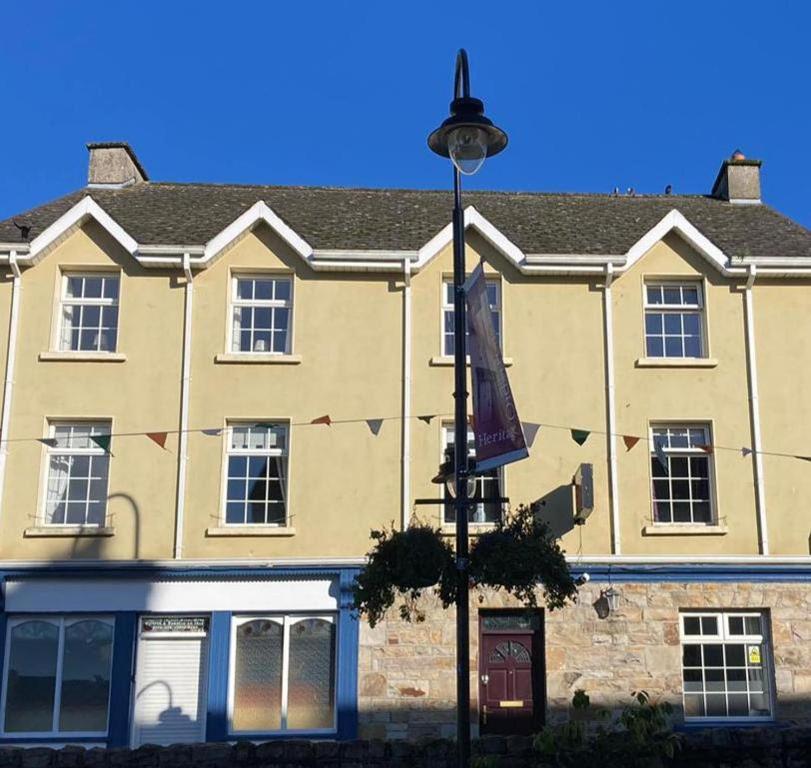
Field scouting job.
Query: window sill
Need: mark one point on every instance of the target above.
(82, 357)
(251, 530)
(676, 362)
(257, 357)
(684, 529)
(447, 362)
(50, 531)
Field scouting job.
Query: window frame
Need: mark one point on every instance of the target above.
(233, 302)
(489, 278)
(226, 453)
(63, 275)
(243, 618)
(62, 621)
(708, 428)
(45, 473)
(724, 637)
(447, 431)
(680, 282)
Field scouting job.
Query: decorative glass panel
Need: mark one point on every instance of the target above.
(86, 676)
(311, 686)
(258, 676)
(514, 622)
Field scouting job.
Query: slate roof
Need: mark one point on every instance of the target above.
(158, 213)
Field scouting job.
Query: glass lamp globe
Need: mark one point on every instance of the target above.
(467, 147)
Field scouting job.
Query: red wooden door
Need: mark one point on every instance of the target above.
(510, 678)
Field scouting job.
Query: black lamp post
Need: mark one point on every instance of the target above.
(467, 137)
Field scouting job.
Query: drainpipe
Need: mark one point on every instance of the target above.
(406, 472)
(8, 389)
(754, 412)
(614, 501)
(183, 446)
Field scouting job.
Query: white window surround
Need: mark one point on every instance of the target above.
(259, 440)
(674, 324)
(75, 477)
(61, 622)
(265, 300)
(87, 325)
(495, 295)
(686, 490)
(736, 669)
(286, 620)
(483, 482)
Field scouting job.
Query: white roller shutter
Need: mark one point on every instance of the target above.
(170, 690)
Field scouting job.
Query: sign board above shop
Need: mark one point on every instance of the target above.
(174, 625)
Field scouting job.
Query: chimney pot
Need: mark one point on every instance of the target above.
(114, 164)
(738, 180)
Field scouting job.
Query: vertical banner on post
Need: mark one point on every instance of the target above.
(499, 437)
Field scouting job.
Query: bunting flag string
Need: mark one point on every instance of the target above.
(374, 425)
(580, 435)
(630, 441)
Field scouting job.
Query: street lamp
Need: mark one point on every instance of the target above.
(467, 137)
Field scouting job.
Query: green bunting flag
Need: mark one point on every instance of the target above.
(49, 441)
(580, 435)
(530, 432)
(426, 419)
(374, 425)
(102, 441)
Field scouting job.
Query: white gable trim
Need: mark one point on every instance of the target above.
(675, 221)
(258, 213)
(86, 208)
(473, 219)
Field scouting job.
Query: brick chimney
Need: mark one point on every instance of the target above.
(738, 180)
(113, 164)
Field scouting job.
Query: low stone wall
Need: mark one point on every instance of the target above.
(747, 748)
(406, 671)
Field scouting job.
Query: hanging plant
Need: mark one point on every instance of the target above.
(518, 555)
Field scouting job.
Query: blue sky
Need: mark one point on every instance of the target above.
(592, 94)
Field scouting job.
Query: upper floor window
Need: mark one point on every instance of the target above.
(674, 320)
(256, 475)
(682, 487)
(89, 313)
(78, 468)
(725, 665)
(493, 297)
(57, 677)
(488, 485)
(261, 311)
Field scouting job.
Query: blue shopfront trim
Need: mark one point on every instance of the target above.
(693, 572)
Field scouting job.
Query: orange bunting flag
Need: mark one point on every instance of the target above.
(322, 420)
(158, 437)
(706, 448)
(630, 441)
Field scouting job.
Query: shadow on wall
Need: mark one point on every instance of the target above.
(556, 509)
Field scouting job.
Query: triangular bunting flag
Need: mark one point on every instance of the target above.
(158, 437)
(49, 441)
(659, 450)
(426, 419)
(706, 448)
(102, 441)
(530, 431)
(212, 432)
(580, 435)
(803, 458)
(374, 425)
(630, 441)
(322, 420)
(746, 452)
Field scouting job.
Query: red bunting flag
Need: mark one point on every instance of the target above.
(158, 437)
(322, 420)
(706, 448)
(630, 441)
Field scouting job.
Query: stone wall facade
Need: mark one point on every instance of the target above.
(406, 672)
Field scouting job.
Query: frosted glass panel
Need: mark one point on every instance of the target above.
(86, 676)
(31, 677)
(311, 693)
(258, 676)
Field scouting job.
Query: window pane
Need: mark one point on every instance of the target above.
(709, 625)
(111, 287)
(245, 289)
(681, 512)
(692, 626)
(701, 512)
(672, 295)
(713, 655)
(752, 625)
(691, 654)
(282, 290)
(258, 676)
(31, 677)
(714, 680)
(692, 346)
(716, 705)
(738, 705)
(92, 287)
(691, 324)
(693, 681)
(311, 681)
(673, 324)
(690, 295)
(654, 346)
(263, 290)
(673, 346)
(694, 705)
(736, 625)
(261, 318)
(653, 323)
(86, 676)
(74, 287)
(654, 294)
